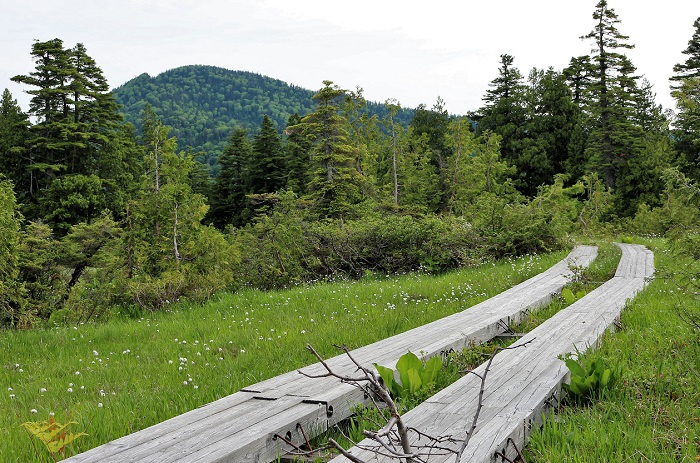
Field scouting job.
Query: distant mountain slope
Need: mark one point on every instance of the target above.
(203, 104)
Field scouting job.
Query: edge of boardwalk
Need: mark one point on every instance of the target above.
(523, 384)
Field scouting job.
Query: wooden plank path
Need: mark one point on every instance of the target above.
(524, 383)
(241, 427)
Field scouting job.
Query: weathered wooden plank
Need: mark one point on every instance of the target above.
(524, 382)
(240, 427)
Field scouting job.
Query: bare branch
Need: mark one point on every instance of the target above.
(344, 452)
(480, 403)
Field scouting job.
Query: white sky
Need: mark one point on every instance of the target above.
(413, 51)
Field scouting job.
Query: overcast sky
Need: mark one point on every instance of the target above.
(413, 51)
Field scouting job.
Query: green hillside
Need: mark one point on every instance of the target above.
(203, 104)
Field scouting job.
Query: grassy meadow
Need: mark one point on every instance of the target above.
(116, 378)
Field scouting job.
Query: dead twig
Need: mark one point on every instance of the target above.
(480, 402)
(392, 439)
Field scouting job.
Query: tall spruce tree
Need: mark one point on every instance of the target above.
(505, 113)
(579, 75)
(11, 297)
(297, 151)
(552, 116)
(610, 95)
(363, 134)
(14, 133)
(50, 104)
(268, 170)
(229, 205)
(335, 181)
(430, 126)
(77, 138)
(691, 67)
(686, 91)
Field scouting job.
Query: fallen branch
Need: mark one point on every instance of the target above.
(392, 440)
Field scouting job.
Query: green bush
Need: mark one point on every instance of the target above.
(416, 379)
(589, 382)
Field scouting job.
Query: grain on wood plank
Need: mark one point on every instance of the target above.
(523, 397)
(509, 305)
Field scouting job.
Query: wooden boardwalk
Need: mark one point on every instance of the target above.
(524, 383)
(241, 427)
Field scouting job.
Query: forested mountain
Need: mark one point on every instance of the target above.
(204, 104)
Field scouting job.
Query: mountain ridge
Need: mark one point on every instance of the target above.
(202, 104)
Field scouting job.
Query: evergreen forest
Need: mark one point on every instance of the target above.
(202, 105)
(203, 180)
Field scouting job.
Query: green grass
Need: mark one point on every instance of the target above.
(116, 378)
(653, 412)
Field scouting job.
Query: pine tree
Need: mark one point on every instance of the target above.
(363, 134)
(430, 126)
(474, 168)
(686, 92)
(552, 116)
(95, 112)
(11, 297)
(641, 180)
(229, 205)
(610, 95)
(51, 105)
(691, 67)
(335, 181)
(78, 135)
(268, 170)
(579, 75)
(14, 133)
(298, 157)
(505, 113)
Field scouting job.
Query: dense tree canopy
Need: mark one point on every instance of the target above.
(204, 104)
(97, 215)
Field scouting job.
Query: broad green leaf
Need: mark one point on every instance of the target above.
(431, 370)
(414, 381)
(57, 445)
(575, 368)
(407, 362)
(568, 296)
(387, 375)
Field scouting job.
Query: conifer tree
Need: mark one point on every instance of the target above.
(51, 105)
(429, 126)
(11, 297)
(335, 181)
(363, 134)
(297, 151)
(579, 74)
(268, 170)
(229, 205)
(505, 113)
(691, 67)
(77, 139)
(686, 91)
(551, 119)
(14, 133)
(610, 95)
(474, 169)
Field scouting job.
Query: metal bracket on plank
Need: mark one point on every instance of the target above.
(502, 452)
(329, 408)
(506, 326)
